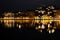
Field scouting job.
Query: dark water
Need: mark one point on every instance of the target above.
(27, 33)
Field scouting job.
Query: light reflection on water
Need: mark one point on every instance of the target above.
(50, 23)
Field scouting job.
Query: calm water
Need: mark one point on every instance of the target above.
(26, 33)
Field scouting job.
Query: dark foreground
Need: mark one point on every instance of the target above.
(15, 33)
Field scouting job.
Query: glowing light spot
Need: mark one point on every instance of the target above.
(39, 11)
(39, 26)
(36, 10)
(49, 31)
(53, 30)
(49, 26)
(46, 19)
(43, 26)
(37, 19)
(19, 26)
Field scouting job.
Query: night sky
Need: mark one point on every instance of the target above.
(17, 5)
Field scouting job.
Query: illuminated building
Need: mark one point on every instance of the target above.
(37, 19)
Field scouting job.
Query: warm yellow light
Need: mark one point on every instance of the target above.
(18, 19)
(37, 19)
(26, 19)
(8, 21)
(46, 19)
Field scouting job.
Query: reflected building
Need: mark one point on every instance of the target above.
(39, 19)
(8, 19)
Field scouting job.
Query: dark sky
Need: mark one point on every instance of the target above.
(26, 4)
